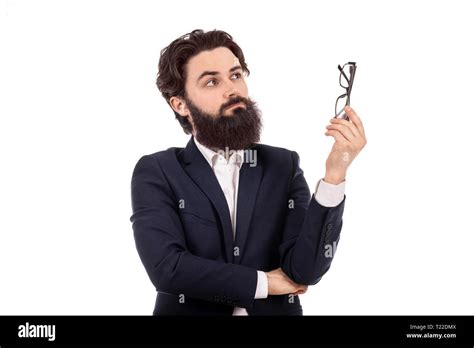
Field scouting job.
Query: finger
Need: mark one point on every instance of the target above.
(355, 119)
(358, 137)
(346, 123)
(338, 137)
(345, 131)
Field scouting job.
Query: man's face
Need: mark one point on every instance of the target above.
(217, 102)
(213, 78)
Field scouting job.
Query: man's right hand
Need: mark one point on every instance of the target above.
(280, 284)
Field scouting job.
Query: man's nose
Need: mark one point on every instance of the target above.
(230, 90)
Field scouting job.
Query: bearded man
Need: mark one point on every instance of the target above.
(228, 226)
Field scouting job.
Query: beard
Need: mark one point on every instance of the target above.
(237, 130)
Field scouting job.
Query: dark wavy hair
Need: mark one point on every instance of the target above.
(171, 75)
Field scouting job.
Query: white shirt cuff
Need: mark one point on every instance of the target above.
(262, 285)
(329, 195)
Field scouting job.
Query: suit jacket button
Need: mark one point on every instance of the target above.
(329, 227)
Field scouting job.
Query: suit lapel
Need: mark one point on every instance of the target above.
(201, 173)
(249, 182)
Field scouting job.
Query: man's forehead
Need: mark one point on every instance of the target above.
(219, 59)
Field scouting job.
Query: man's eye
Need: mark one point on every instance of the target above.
(239, 75)
(213, 82)
(208, 84)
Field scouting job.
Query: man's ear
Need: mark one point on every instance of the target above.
(179, 106)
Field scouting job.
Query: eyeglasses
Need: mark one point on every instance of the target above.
(346, 79)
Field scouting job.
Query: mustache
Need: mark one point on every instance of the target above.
(234, 101)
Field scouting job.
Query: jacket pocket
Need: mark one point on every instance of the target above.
(198, 219)
(202, 237)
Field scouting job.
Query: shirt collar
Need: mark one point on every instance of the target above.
(212, 156)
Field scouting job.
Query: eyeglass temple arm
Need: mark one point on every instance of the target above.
(341, 69)
(352, 69)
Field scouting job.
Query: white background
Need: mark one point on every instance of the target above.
(79, 107)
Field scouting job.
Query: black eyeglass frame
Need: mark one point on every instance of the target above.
(350, 82)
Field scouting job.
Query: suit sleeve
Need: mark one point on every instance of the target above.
(310, 234)
(160, 242)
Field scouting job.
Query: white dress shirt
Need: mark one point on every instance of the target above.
(227, 174)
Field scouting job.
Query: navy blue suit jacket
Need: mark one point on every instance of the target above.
(184, 238)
